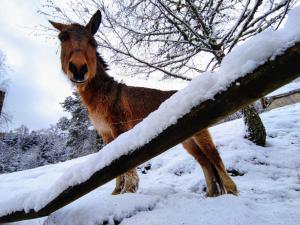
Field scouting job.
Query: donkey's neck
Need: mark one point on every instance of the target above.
(99, 90)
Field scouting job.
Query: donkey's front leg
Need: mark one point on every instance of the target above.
(130, 181)
(127, 183)
(119, 185)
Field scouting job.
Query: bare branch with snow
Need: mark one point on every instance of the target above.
(169, 36)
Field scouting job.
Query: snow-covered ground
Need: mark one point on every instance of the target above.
(240, 61)
(172, 191)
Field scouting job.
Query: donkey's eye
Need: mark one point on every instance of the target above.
(63, 36)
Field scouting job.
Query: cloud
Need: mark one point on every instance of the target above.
(36, 85)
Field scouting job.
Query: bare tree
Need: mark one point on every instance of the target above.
(3, 71)
(2, 95)
(177, 38)
(169, 36)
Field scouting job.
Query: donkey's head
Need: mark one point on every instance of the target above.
(78, 49)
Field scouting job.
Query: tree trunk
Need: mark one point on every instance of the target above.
(2, 95)
(255, 129)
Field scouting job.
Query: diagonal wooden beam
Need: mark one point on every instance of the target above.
(265, 79)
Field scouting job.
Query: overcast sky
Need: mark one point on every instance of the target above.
(36, 84)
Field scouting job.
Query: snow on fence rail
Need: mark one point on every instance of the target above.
(259, 66)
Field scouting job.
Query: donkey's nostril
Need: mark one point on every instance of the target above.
(72, 68)
(78, 74)
(83, 69)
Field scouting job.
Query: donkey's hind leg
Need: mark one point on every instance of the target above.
(208, 170)
(205, 143)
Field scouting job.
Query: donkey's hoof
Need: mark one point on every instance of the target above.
(213, 194)
(129, 189)
(213, 191)
(117, 191)
(232, 191)
(231, 188)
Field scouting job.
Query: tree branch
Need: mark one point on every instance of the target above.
(244, 26)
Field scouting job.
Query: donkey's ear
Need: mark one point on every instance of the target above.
(94, 23)
(58, 26)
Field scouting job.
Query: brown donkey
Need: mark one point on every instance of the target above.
(115, 108)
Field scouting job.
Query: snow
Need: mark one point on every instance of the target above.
(171, 192)
(242, 60)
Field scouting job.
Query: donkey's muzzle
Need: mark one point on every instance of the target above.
(78, 73)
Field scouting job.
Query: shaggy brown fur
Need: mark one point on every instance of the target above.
(115, 108)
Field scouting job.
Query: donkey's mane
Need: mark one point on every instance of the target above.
(102, 61)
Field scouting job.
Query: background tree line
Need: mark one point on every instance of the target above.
(69, 138)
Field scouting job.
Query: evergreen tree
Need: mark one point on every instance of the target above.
(82, 138)
(21, 149)
(69, 138)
